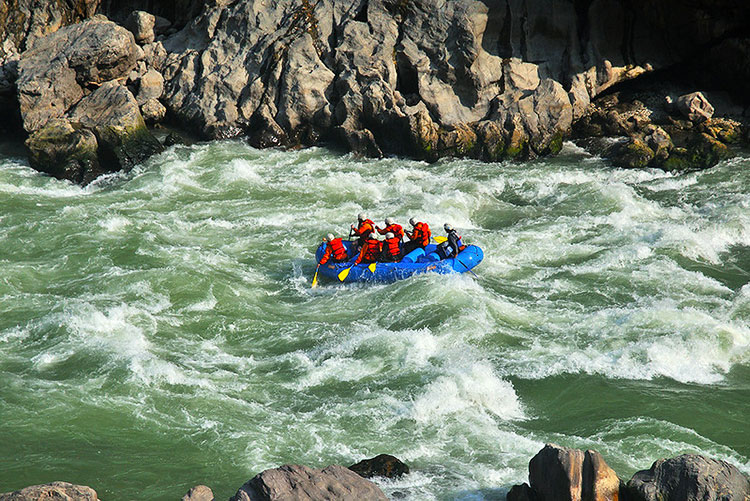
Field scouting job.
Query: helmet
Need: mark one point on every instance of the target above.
(389, 235)
(329, 237)
(447, 227)
(361, 216)
(374, 235)
(412, 221)
(389, 221)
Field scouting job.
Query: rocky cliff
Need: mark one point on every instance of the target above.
(427, 78)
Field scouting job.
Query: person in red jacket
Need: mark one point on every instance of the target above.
(335, 250)
(391, 227)
(364, 228)
(419, 236)
(370, 250)
(391, 249)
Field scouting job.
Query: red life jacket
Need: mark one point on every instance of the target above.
(336, 249)
(392, 247)
(369, 252)
(421, 234)
(394, 228)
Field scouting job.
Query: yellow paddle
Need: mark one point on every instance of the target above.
(372, 267)
(315, 278)
(344, 273)
(439, 240)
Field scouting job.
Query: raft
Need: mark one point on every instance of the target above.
(417, 261)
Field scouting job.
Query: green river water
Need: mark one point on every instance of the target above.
(158, 329)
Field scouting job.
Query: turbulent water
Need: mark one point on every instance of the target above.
(158, 329)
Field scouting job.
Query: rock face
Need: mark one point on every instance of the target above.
(53, 75)
(306, 484)
(558, 474)
(62, 491)
(689, 478)
(24, 21)
(382, 465)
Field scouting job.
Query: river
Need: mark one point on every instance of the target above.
(158, 329)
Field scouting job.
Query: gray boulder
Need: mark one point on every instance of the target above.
(141, 25)
(153, 111)
(61, 491)
(112, 113)
(54, 73)
(301, 483)
(150, 86)
(689, 478)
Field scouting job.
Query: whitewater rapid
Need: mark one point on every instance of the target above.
(166, 314)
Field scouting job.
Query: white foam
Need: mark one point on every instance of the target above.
(475, 389)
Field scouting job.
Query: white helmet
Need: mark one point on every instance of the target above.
(447, 227)
(373, 235)
(389, 221)
(389, 235)
(329, 237)
(361, 216)
(412, 221)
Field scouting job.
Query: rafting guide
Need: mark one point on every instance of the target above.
(380, 254)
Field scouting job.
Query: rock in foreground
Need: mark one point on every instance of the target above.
(58, 491)
(300, 483)
(689, 477)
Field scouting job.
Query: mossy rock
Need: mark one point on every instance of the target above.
(701, 152)
(64, 151)
(634, 154)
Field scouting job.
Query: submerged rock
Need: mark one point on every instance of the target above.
(199, 493)
(382, 465)
(62, 491)
(689, 478)
(307, 484)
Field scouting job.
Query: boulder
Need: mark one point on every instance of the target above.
(633, 153)
(153, 111)
(695, 107)
(61, 491)
(112, 113)
(689, 478)
(199, 493)
(382, 465)
(150, 86)
(558, 474)
(64, 151)
(307, 484)
(141, 25)
(53, 74)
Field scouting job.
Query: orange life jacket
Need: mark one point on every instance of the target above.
(421, 234)
(394, 228)
(365, 228)
(336, 249)
(369, 252)
(392, 247)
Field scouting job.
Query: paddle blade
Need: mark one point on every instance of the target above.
(315, 279)
(439, 240)
(372, 267)
(344, 273)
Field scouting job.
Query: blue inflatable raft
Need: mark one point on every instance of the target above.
(418, 261)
